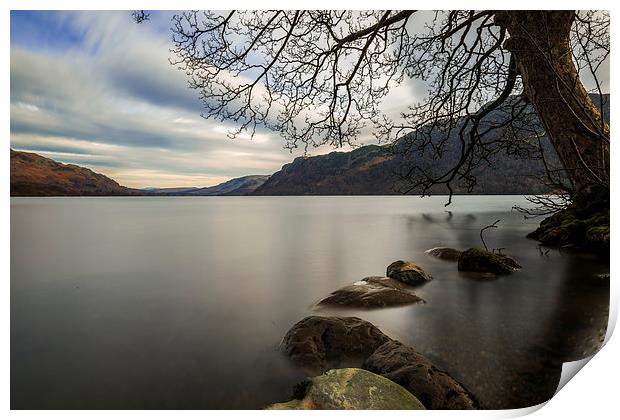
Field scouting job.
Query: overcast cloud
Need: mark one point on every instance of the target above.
(96, 89)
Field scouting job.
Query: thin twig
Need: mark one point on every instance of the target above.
(493, 225)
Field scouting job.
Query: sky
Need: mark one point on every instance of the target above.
(95, 89)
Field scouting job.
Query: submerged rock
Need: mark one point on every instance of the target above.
(372, 292)
(318, 343)
(444, 253)
(433, 387)
(480, 261)
(478, 276)
(407, 272)
(350, 389)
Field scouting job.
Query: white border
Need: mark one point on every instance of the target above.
(593, 395)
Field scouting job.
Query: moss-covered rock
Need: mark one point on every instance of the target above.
(480, 261)
(372, 292)
(318, 344)
(350, 389)
(407, 272)
(583, 224)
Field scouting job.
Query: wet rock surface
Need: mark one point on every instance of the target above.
(372, 292)
(350, 389)
(318, 343)
(407, 272)
(433, 387)
(480, 261)
(444, 253)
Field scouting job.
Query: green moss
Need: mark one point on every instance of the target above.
(598, 234)
(418, 270)
(480, 261)
(407, 272)
(574, 227)
(353, 389)
(583, 224)
(477, 252)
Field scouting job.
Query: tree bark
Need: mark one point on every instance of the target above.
(540, 43)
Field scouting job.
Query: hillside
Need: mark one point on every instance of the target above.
(35, 175)
(368, 170)
(244, 185)
(363, 171)
(371, 170)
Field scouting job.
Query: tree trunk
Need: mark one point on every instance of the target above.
(540, 43)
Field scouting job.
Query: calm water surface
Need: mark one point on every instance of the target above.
(182, 302)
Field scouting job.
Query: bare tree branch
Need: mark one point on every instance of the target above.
(319, 77)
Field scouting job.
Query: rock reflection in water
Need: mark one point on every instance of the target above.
(151, 303)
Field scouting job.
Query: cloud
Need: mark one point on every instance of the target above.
(94, 88)
(111, 101)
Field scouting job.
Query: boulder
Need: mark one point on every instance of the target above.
(372, 292)
(318, 343)
(321, 343)
(350, 389)
(407, 272)
(584, 224)
(433, 387)
(477, 260)
(444, 253)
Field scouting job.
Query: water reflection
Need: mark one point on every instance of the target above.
(182, 302)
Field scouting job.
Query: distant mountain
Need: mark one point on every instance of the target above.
(371, 170)
(35, 175)
(367, 170)
(168, 191)
(244, 185)
(157, 190)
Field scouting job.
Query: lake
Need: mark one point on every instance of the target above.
(181, 302)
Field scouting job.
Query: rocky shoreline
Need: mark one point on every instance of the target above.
(347, 357)
(584, 224)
